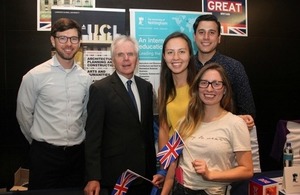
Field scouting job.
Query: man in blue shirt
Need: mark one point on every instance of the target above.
(52, 111)
(207, 35)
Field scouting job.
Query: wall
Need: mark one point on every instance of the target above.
(269, 54)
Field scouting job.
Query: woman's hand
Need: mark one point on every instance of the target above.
(201, 168)
(158, 180)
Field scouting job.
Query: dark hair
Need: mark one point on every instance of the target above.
(207, 17)
(64, 24)
(167, 88)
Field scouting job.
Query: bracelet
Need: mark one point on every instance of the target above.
(162, 172)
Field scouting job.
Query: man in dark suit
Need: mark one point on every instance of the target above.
(119, 130)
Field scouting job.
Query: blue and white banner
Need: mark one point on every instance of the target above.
(150, 28)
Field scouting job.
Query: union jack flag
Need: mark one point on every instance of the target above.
(170, 151)
(124, 182)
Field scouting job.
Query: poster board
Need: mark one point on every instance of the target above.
(231, 14)
(291, 179)
(99, 27)
(150, 28)
(44, 10)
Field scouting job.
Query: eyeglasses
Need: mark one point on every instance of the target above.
(64, 39)
(214, 84)
(123, 55)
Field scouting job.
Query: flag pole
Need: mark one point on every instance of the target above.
(185, 145)
(139, 175)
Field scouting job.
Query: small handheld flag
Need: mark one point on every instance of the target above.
(171, 150)
(123, 183)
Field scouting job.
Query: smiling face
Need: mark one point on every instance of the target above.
(207, 37)
(212, 94)
(65, 51)
(125, 58)
(177, 55)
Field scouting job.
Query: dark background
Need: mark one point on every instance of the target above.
(270, 55)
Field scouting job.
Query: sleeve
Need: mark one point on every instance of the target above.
(240, 135)
(243, 94)
(86, 99)
(94, 132)
(26, 100)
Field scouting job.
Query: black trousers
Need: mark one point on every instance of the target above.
(56, 166)
(181, 190)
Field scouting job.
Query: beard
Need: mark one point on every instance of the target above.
(65, 56)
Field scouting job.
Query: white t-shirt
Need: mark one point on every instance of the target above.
(215, 142)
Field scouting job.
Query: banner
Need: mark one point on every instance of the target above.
(98, 64)
(150, 28)
(231, 14)
(99, 27)
(44, 10)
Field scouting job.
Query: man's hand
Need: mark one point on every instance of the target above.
(249, 121)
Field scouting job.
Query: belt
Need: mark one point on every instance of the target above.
(54, 147)
(185, 190)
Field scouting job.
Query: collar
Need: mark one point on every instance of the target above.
(124, 79)
(57, 64)
(213, 59)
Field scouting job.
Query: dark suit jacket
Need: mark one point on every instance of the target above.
(115, 138)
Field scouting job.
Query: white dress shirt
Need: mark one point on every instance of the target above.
(51, 103)
(134, 90)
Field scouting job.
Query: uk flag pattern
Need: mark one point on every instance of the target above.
(170, 151)
(233, 29)
(123, 183)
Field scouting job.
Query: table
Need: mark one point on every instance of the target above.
(241, 187)
(71, 191)
(238, 188)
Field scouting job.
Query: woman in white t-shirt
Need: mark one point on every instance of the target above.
(214, 140)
